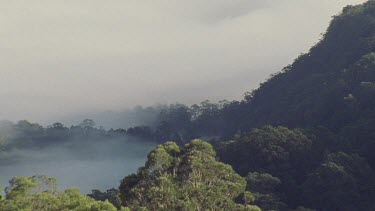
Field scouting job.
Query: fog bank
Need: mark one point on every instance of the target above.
(98, 164)
(64, 57)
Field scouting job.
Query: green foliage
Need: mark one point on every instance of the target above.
(327, 164)
(262, 183)
(330, 186)
(183, 179)
(341, 182)
(40, 193)
(20, 187)
(268, 149)
(263, 187)
(111, 195)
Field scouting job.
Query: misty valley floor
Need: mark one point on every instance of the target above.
(99, 165)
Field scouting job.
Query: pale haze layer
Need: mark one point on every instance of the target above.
(62, 57)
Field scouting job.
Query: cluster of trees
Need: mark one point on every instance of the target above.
(269, 168)
(181, 123)
(326, 161)
(333, 87)
(40, 193)
(25, 134)
(290, 168)
(186, 178)
(306, 145)
(173, 178)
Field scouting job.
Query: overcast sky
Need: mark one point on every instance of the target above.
(59, 57)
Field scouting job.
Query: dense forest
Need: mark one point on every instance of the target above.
(303, 140)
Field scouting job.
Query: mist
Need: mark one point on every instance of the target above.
(61, 58)
(115, 119)
(64, 61)
(85, 164)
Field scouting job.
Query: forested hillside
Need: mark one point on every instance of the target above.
(304, 140)
(325, 159)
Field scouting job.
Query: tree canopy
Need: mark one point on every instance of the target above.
(186, 178)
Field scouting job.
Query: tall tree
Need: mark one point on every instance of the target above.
(186, 178)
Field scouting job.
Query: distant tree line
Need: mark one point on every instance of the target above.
(304, 140)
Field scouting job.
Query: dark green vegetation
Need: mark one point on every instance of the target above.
(303, 140)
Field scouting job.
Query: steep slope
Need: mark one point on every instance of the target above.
(329, 95)
(328, 86)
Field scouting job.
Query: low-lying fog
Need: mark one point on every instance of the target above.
(87, 165)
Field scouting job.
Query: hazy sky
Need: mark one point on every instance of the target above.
(64, 56)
